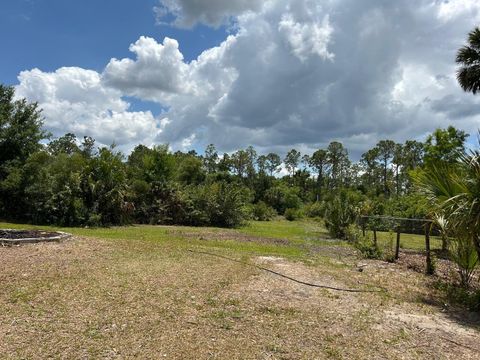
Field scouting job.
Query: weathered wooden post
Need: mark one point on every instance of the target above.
(375, 236)
(430, 269)
(364, 220)
(397, 246)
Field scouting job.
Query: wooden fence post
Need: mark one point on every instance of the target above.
(397, 246)
(364, 220)
(430, 269)
(375, 236)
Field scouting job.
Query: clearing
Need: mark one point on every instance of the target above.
(140, 292)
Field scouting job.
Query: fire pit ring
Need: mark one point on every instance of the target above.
(17, 237)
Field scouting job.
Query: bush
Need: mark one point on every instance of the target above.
(282, 197)
(460, 296)
(316, 209)
(170, 205)
(94, 220)
(353, 233)
(221, 204)
(411, 206)
(262, 212)
(340, 212)
(293, 214)
(368, 248)
(463, 253)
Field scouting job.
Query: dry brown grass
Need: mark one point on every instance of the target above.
(94, 298)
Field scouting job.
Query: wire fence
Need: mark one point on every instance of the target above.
(400, 225)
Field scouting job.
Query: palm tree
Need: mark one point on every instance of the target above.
(468, 57)
(454, 189)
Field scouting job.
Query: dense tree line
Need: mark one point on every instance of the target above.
(67, 181)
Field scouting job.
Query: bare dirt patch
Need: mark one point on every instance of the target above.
(358, 325)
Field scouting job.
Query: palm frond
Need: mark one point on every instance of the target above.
(469, 78)
(468, 56)
(474, 38)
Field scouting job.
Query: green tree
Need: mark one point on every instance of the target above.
(210, 159)
(105, 187)
(338, 163)
(318, 162)
(386, 152)
(66, 144)
(20, 127)
(291, 161)
(372, 171)
(397, 162)
(262, 164)
(468, 57)
(156, 164)
(190, 170)
(252, 159)
(282, 197)
(444, 145)
(20, 136)
(273, 163)
(88, 147)
(240, 161)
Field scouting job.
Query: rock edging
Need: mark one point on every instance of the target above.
(48, 237)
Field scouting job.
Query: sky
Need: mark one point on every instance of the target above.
(275, 74)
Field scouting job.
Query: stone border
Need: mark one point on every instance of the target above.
(61, 236)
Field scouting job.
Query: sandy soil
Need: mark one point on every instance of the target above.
(91, 298)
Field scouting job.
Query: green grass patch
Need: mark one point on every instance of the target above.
(173, 237)
(297, 231)
(407, 241)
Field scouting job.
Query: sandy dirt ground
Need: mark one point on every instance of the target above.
(88, 298)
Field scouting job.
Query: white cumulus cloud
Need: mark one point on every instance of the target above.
(157, 72)
(75, 100)
(296, 73)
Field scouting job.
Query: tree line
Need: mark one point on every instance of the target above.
(67, 181)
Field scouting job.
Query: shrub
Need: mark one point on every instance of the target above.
(262, 212)
(282, 197)
(316, 209)
(221, 204)
(353, 233)
(368, 248)
(340, 212)
(460, 296)
(170, 205)
(293, 214)
(463, 253)
(94, 220)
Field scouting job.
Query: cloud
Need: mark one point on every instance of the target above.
(451, 10)
(307, 38)
(307, 72)
(75, 100)
(157, 72)
(188, 13)
(295, 74)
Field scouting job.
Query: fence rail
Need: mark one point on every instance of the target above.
(425, 223)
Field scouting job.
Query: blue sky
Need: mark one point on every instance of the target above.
(49, 34)
(292, 73)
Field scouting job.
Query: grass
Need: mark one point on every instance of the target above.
(136, 292)
(296, 231)
(174, 236)
(407, 241)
